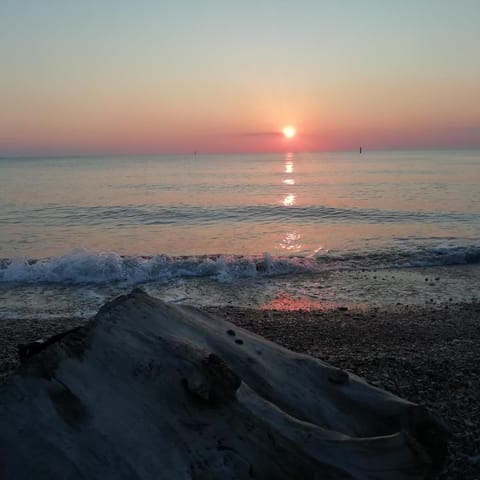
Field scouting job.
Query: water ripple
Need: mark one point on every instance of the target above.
(150, 214)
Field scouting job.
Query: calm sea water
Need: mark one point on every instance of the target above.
(214, 224)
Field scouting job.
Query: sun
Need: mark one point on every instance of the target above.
(289, 131)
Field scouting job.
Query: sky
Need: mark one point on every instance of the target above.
(151, 76)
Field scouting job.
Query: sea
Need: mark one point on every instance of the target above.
(285, 231)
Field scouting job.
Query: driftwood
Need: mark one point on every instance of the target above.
(149, 390)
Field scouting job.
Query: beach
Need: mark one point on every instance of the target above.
(370, 263)
(425, 354)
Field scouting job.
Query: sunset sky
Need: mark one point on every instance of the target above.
(145, 76)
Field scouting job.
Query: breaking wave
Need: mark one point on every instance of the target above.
(85, 266)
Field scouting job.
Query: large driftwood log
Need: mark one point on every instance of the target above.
(154, 391)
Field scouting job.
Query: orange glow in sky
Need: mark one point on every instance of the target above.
(161, 80)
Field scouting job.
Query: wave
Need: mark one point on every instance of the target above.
(85, 266)
(444, 256)
(149, 214)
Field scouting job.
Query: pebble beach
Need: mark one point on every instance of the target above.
(428, 355)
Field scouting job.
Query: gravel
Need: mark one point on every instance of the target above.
(429, 355)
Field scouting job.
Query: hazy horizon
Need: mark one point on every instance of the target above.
(199, 153)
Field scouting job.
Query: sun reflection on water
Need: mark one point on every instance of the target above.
(289, 200)
(289, 163)
(291, 241)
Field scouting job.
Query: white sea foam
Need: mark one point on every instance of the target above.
(82, 266)
(85, 266)
(443, 256)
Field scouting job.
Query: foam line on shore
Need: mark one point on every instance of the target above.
(82, 266)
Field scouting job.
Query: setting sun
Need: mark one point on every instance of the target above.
(289, 132)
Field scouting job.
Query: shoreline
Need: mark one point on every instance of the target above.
(425, 354)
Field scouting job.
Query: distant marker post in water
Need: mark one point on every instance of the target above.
(360, 149)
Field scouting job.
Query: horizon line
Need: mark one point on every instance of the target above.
(198, 153)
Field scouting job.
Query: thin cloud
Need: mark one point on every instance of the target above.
(261, 134)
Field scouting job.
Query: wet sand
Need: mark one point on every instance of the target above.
(429, 355)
